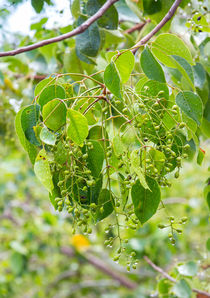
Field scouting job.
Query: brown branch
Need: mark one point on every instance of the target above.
(167, 17)
(137, 27)
(99, 264)
(74, 32)
(166, 275)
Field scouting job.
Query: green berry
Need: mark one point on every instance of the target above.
(182, 125)
(161, 226)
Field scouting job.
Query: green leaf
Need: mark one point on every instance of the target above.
(98, 133)
(105, 200)
(54, 114)
(60, 154)
(37, 5)
(95, 158)
(188, 269)
(49, 93)
(118, 146)
(185, 68)
(75, 8)
(47, 136)
(109, 19)
(112, 80)
(145, 201)
(182, 289)
(151, 67)
(29, 148)
(88, 42)
(124, 63)
(208, 244)
(154, 89)
(29, 119)
(77, 129)
(41, 85)
(42, 170)
(167, 45)
(191, 104)
(164, 286)
(199, 75)
(73, 64)
(200, 157)
(151, 6)
(136, 168)
(140, 84)
(158, 158)
(17, 263)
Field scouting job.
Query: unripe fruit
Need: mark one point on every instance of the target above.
(173, 241)
(161, 226)
(182, 125)
(176, 175)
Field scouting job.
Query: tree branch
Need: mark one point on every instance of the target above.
(136, 27)
(74, 32)
(99, 264)
(167, 17)
(166, 275)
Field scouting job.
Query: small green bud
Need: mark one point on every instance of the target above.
(89, 230)
(184, 219)
(161, 226)
(176, 175)
(173, 241)
(93, 206)
(182, 125)
(101, 209)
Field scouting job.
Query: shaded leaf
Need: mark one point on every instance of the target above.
(51, 92)
(95, 158)
(145, 201)
(29, 119)
(105, 200)
(182, 289)
(112, 80)
(185, 68)
(136, 168)
(88, 42)
(151, 67)
(109, 19)
(188, 269)
(29, 148)
(191, 104)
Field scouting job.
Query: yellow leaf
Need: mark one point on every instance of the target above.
(80, 242)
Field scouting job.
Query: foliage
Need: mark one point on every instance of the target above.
(107, 130)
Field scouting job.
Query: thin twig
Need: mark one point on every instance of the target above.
(99, 264)
(167, 17)
(166, 275)
(84, 26)
(137, 27)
